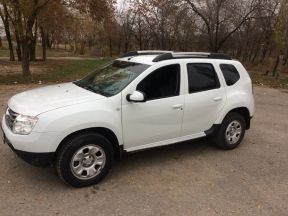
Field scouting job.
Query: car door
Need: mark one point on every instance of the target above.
(159, 118)
(205, 97)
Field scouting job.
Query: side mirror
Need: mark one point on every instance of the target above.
(136, 97)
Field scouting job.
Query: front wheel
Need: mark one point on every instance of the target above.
(231, 132)
(85, 159)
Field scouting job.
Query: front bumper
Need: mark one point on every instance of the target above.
(35, 159)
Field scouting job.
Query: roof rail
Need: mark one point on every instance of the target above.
(145, 52)
(179, 55)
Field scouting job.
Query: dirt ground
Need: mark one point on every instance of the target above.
(191, 178)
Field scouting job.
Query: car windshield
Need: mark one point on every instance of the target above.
(112, 78)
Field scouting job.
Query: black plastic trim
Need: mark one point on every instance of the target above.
(162, 57)
(248, 123)
(121, 152)
(212, 130)
(130, 54)
(219, 56)
(169, 56)
(42, 160)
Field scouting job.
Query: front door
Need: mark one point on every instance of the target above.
(158, 119)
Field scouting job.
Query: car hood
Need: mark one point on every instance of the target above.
(40, 100)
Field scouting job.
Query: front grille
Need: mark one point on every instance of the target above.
(10, 117)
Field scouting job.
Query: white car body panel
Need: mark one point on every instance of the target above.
(34, 142)
(152, 121)
(61, 122)
(238, 95)
(40, 100)
(202, 108)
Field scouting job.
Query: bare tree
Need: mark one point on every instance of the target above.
(5, 19)
(222, 18)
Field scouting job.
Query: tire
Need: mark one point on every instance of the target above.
(84, 159)
(231, 131)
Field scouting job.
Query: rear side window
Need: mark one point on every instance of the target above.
(230, 74)
(202, 77)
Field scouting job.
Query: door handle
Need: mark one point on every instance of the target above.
(178, 107)
(217, 99)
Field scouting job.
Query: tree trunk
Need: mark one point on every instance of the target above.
(49, 41)
(33, 51)
(18, 47)
(1, 42)
(110, 47)
(255, 55)
(276, 66)
(33, 44)
(43, 37)
(75, 46)
(26, 58)
(26, 41)
(285, 58)
(263, 56)
(10, 44)
(239, 52)
(8, 34)
(82, 47)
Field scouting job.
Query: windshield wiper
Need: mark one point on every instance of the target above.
(80, 84)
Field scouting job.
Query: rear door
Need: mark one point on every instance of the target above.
(204, 99)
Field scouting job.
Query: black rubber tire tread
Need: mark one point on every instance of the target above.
(220, 139)
(71, 146)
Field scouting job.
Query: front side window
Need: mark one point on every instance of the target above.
(202, 77)
(112, 78)
(162, 83)
(230, 74)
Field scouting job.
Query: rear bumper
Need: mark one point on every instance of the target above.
(249, 123)
(36, 159)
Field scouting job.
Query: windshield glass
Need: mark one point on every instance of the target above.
(112, 78)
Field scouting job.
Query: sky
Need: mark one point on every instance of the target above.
(121, 4)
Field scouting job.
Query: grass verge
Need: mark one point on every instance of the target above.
(269, 81)
(66, 71)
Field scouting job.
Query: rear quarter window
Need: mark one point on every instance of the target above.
(230, 74)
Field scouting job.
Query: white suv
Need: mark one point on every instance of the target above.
(145, 99)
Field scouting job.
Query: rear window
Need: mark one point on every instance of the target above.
(230, 74)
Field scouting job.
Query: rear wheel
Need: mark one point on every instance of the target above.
(85, 159)
(231, 132)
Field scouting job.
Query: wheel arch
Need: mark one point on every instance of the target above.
(243, 111)
(107, 133)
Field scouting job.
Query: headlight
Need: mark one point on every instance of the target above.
(23, 124)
